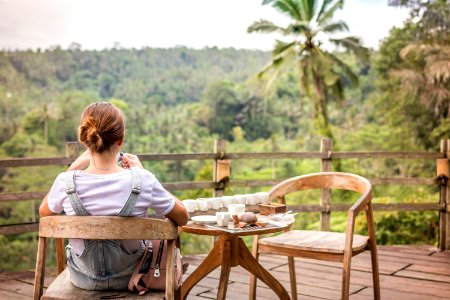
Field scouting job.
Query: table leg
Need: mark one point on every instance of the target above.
(212, 261)
(252, 285)
(225, 269)
(248, 262)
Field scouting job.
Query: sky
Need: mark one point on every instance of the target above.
(100, 24)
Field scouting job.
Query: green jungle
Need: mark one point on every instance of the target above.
(180, 100)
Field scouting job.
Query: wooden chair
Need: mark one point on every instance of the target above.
(99, 227)
(330, 246)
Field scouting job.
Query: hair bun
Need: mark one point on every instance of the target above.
(90, 135)
(101, 126)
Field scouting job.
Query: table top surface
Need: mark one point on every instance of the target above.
(214, 230)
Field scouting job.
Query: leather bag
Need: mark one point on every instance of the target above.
(150, 272)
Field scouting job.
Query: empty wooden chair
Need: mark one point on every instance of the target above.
(330, 246)
(99, 227)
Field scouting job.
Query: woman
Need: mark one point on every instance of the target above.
(95, 184)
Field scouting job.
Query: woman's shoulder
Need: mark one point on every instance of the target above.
(145, 174)
(64, 176)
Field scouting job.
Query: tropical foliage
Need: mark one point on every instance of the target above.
(179, 100)
(319, 69)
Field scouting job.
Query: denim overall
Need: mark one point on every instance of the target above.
(103, 263)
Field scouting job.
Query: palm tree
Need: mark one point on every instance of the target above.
(317, 67)
(427, 76)
(425, 72)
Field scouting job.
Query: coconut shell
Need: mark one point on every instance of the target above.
(248, 218)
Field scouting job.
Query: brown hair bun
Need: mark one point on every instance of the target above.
(101, 126)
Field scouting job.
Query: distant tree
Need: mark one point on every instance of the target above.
(426, 58)
(11, 109)
(224, 104)
(423, 66)
(317, 67)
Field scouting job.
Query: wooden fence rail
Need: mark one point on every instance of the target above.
(222, 179)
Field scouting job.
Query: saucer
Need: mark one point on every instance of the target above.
(206, 219)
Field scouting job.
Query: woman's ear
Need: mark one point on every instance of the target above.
(120, 142)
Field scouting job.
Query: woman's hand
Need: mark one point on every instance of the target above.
(130, 160)
(82, 162)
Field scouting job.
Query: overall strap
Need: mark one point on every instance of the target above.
(127, 209)
(77, 205)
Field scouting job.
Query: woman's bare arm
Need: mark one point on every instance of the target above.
(178, 214)
(80, 163)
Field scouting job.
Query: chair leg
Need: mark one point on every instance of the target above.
(375, 271)
(40, 268)
(346, 277)
(60, 257)
(372, 246)
(177, 294)
(293, 278)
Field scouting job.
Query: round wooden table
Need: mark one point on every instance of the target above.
(230, 251)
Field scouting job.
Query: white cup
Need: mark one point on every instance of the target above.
(190, 204)
(202, 204)
(252, 199)
(227, 200)
(223, 218)
(214, 203)
(236, 209)
(240, 199)
(263, 197)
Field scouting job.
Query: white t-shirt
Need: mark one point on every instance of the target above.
(106, 194)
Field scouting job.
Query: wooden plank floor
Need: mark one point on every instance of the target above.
(406, 272)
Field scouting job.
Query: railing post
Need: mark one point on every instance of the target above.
(221, 168)
(442, 173)
(72, 151)
(444, 213)
(326, 146)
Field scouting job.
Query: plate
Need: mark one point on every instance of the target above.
(204, 219)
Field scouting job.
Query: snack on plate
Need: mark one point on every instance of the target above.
(248, 218)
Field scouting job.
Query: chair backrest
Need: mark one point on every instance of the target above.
(107, 228)
(325, 180)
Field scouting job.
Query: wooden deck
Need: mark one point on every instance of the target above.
(406, 272)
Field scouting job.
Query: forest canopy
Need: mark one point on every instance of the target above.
(180, 100)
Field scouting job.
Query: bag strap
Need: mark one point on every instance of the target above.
(128, 208)
(136, 276)
(158, 258)
(77, 205)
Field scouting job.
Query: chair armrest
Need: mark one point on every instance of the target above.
(359, 205)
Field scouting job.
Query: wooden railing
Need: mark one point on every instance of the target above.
(222, 179)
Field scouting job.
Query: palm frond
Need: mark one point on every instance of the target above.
(336, 26)
(264, 26)
(338, 91)
(307, 8)
(289, 7)
(346, 70)
(313, 7)
(352, 44)
(275, 65)
(281, 47)
(328, 14)
(279, 55)
(438, 72)
(298, 28)
(434, 57)
(267, 2)
(323, 8)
